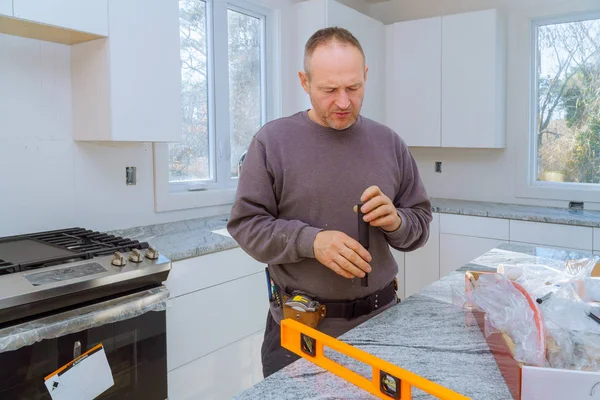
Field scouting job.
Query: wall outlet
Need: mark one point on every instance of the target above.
(130, 176)
(438, 167)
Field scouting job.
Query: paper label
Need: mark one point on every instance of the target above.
(85, 378)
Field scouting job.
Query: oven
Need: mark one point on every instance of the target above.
(62, 308)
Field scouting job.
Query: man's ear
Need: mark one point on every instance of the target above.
(366, 72)
(304, 81)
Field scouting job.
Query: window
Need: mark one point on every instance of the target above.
(566, 123)
(222, 107)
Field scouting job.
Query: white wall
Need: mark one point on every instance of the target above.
(48, 181)
(486, 175)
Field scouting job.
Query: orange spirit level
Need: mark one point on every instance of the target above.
(389, 381)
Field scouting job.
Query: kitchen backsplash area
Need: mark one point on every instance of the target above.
(47, 180)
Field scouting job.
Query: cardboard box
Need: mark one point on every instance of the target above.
(535, 383)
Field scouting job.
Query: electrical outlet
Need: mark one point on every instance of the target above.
(130, 176)
(438, 167)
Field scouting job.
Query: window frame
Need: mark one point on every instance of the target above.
(527, 184)
(220, 188)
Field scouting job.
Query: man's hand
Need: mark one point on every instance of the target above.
(342, 254)
(379, 210)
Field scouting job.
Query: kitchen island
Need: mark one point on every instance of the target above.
(426, 334)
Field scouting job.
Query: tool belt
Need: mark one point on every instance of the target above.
(334, 309)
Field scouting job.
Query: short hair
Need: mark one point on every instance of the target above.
(328, 35)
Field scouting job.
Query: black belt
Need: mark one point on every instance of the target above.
(359, 307)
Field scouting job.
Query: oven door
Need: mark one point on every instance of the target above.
(135, 349)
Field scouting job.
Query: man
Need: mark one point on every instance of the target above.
(303, 175)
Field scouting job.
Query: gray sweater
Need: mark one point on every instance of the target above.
(299, 178)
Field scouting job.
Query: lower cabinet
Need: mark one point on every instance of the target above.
(422, 266)
(221, 374)
(458, 250)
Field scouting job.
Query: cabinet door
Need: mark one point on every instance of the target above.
(473, 80)
(399, 257)
(413, 106)
(457, 250)
(6, 7)
(204, 321)
(87, 16)
(422, 266)
(596, 239)
(145, 74)
(371, 35)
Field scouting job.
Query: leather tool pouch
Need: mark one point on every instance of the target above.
(309, 318)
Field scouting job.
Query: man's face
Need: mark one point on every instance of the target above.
(337, 84)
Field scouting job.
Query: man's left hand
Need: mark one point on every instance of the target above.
(379, 210)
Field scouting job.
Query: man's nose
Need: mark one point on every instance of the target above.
(342, 100)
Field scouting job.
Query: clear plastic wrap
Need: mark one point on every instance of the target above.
(122, 308)
(550, 311)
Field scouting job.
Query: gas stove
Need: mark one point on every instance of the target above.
(45, 272)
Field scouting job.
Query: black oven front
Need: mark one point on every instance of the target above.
(136, 350)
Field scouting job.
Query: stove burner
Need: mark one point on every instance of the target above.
(43, 249)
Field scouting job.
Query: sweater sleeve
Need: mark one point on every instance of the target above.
(412, 204)
(254, 221)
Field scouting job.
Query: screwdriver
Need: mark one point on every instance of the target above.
(363, 239)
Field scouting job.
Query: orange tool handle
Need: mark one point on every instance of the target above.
(294, 332)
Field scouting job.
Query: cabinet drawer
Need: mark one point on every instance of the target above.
(596, 239)
(567, 236)
(422, 266)
(204, 321)
(457, 250)
(467, 225)
(198, 273)
(224, 373)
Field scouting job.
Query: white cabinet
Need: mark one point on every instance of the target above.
(221, 374)
(447, 80)
(566, 236)
(422, 266)
(474, 80)
(6, 7)
(458, 250)
(317, 14)
(467, 225)
(89, 16)
(209, 319)
(596, 239)
(128, 87)
(399, 257)
(414, 71)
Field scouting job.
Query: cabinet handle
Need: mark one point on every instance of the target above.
(76, 349)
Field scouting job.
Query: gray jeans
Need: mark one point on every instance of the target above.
(274, 357)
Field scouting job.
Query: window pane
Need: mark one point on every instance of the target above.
(568, 120)
(189, 160)
(245, 101)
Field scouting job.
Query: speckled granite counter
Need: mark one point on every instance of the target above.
(425, 334)
(518, 212)
(194, 237)
(183, 239)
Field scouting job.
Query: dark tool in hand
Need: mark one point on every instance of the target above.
(363, 238)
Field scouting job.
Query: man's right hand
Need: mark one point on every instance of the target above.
(342, 254)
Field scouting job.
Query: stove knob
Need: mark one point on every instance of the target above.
(136, 256)
(151, 253)
(118, 260)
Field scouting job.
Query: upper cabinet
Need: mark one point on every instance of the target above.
(89, 16)
(60, 21)
(448, 80)
(474, 80)
(313, 15)
(414, 72)
(6, 8)
(128, 87)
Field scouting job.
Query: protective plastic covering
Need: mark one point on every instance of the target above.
(550, 311)
(119, 309)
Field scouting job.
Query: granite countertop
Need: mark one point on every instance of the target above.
(195, 237)
(426, 334)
